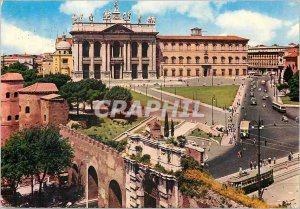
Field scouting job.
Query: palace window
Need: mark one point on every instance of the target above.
(166, 60)
(188, 60)
(230, 72)
(97, 71)
(230, 60)
(17, 117)
(197, 47)
(173, 46)
(180, 72)
(214, 47)
(188, 72)
(237, 71)
(180, 46)
(86, 49)
(134, 49)
(180, 60)
(116, 52)
(237, 60)
(173, 72)
(244, 59)
(165, 72)
(222, 47)
(188, 46)
(27, 109)
(214, 60)
(7, 95)
(197, 60)
(206, 59)
(244, 71)
(197, 72)
(165, 46)
(223, 72)
(214, 72)
(16, 94)
(9, 118)
(223, 60)
(237, 47)
(205, 46)
(173, 60)
(97, 48)
(230, 47)
(145, 47)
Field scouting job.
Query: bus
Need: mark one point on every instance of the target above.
(244, 129)
(278, 107)
(248, 180)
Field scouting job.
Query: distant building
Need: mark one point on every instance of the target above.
(40, 104)
(47, 64)
(7, 60)
(62, 57)
(198, 55)
(10, 84)
(27, 60)
(292, 57)
(264, 59)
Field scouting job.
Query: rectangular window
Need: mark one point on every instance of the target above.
(223, 72)
(86, 71)
(180, 47)
(215, 72)
(230, 72)
(173, 72)
(205, 46)
(165, 72)
(214, 47)
(188, 72)
(180, 72)
(244, 71)
(237, 71)
(197, 47)
(197, 72)
(65, 61)
(97, 71)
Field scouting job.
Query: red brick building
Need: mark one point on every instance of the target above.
(292, 57)
(10, 84)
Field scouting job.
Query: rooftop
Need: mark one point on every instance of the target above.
(12, 77)
(51, 97)
(293, 54)
(40, 88)
(226, 38)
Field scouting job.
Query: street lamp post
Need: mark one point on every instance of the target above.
(161, 92)
(147, 90)
(225, 119)
(259, 127)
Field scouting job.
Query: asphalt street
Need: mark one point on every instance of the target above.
(280, 139)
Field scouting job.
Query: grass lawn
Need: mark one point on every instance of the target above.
(141, 97)
(200, 133)
(224, 94)
(286, 100)
(109, 128)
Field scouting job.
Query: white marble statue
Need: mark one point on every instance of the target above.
(129, 15)
(124, 15)
(74, 18)
(140, 20)
(116, 6)
(91, 18)
(81, 17)
(151, 20)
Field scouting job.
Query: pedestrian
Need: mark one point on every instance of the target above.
(254, 164)
(269, 160)
(254, 141)
(251, 165)
(289, 157)
(274, 160)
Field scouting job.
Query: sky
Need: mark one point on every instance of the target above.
(32, 26)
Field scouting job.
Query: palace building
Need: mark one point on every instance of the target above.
(114, 48)
(198, 55)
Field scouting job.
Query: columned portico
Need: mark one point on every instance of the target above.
(116, 34)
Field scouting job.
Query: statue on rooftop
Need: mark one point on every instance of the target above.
(124, 15)
(81, 17)
(74, 18)
(129, 15)
(116, 6)
(91, 18)
(140, 20)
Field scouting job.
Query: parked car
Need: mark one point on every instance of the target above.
(267, 96)
(259, 89)
(263, 98)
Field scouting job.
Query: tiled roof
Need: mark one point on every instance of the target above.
(211, 38)
(59, 39)
(12, 77)
(293, 54)
(51, 97)
(40, 87)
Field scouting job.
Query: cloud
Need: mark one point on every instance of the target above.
(195, 9)
(81, 7)
(294, 31)
(259, 28)
(20, 41)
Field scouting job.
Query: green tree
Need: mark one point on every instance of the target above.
(288, 74)
(118, 93)
(294, 87)
(73, 92)
(166, 127)
(58, 79)
(95, 90)
(172, 128)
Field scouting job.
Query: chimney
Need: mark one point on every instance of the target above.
(196, 31)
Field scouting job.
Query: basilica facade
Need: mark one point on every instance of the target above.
(114, 48)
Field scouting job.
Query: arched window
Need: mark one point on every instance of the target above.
(206, 59)
(188, 60)
(134, 49)
(214, 47)
(165, 72)
(197, 60)
(145, 47)
(222, 47)
(180, 46)
(17, 117)
(230, 60)
(173, 46)
(116, 49)
(223, 60)
(7, 94)
(188, 46)
(237, 60)
(97, 48)
(9, 118)
(27, 109)
(214, 60)
(230, 47)
(244, 59)
(173, 60)
(205, 46)
(237, 46)
(165, 60)
(165, 46)
(85, 49)
(197, 47)
(180, 60)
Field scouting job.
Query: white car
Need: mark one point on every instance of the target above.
(284, 119)
(259, 89)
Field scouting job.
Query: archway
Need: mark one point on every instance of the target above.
(92, 186)
(151, 196)
(116, 49)
(114, 195)
(75, 175)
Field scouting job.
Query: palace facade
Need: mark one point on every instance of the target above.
(198, 55)
(114, 48)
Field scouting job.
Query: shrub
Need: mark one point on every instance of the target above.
(145, 159)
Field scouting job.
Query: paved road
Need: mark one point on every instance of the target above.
(281, 139)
